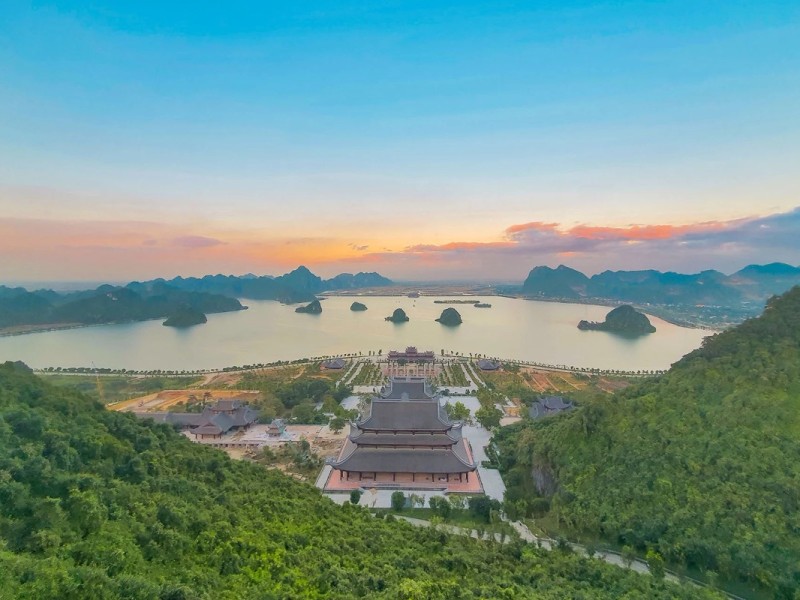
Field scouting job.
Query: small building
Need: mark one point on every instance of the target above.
(334, 363)
(485, 364)
(215, 420)
(549, 405)
(276, 428)
(411, 354)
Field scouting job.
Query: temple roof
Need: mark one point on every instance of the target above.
(214, 420)
(388, 460)
(407, 388)
(404, 415)
(406, 439)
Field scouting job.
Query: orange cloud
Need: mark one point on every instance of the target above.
(111, 250)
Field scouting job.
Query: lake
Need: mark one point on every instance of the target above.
(544, 332)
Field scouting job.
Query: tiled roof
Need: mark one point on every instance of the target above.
(402, 415)
(387, 460)
(407, 389)
(405, 439)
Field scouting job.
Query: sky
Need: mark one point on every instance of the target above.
(423, 140)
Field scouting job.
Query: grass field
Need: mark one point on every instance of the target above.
(121, 387)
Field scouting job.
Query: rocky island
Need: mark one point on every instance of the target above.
(450, 317)
(313, 308)
(624, 320)
(185, 316)
(398, 316)
(357, 306)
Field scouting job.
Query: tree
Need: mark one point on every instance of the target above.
(458, 412)
(337, 424)
(628, 556)
(398, 500)
(656, 563)
(482, 507)
(489, 416)
(355, 496)
(441, 506)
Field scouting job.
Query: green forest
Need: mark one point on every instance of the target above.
(97, 504)
(701, 464)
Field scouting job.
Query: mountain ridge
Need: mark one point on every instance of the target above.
(751, 284)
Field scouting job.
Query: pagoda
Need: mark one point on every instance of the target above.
(405, 440)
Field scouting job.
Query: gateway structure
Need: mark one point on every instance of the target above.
(405, 441)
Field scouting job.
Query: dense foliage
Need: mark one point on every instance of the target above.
(700, 465)
(96, 504)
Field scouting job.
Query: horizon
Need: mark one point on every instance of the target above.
(81, 285)
(465, 141)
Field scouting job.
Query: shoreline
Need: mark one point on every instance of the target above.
(105, 372)
(649, 310)
(15, 330)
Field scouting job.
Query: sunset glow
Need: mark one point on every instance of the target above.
(471, 142)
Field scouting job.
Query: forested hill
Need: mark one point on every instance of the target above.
(106, 304)
(753, 284)
(160, 298)
(300, 285)
(96, 504)
(702, 464)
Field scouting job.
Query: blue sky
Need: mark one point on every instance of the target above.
(305, 130)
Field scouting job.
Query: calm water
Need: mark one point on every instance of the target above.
(543, 332)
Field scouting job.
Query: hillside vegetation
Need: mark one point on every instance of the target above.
(106, 304)
(700, 465)
(96, 504)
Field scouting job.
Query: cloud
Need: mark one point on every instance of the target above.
(725, 245)
(78, 249)
(196, 241)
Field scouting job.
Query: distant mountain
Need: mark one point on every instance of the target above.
(754, 283)
(106, 304)
(561, 282)
(348, 281)
(300, 285)
(161, 298)
(771, 279)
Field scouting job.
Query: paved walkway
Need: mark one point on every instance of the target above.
(546, 544)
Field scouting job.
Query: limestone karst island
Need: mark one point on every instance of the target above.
(450, 317)
(398, 316)
(312, 308)
(624, 320)
(185, 316)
